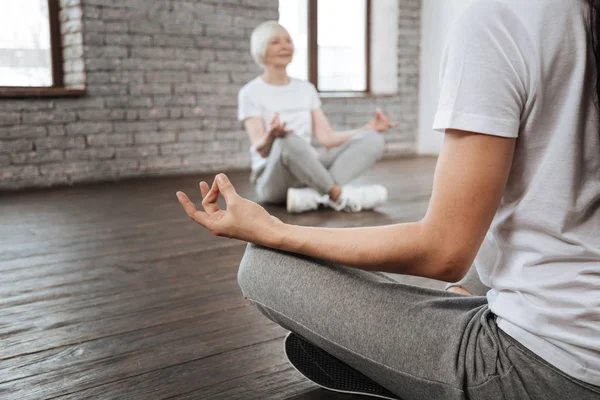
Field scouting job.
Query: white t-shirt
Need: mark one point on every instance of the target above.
(517, 68)
(294, 102)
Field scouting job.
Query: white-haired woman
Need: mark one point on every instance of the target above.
(281, 115)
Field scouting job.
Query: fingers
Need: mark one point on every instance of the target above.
(459, 290)
(226, 188)
(275, 120)
(204, 189)
(210, 197)
(190, 209)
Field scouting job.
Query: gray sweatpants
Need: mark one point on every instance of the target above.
(418, 343)
(293, 162)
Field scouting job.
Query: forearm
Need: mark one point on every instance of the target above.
(401, 248)
(264, 147)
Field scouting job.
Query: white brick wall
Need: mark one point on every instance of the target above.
(162, 79)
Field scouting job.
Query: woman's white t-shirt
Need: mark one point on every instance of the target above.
(294, 102)
(523, 69)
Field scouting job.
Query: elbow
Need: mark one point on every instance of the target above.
(325, 143)
(449, 254)
(452, 267)
(326, 140)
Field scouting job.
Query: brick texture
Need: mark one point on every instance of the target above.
(162, 79)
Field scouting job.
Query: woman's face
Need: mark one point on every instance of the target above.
(280, 50)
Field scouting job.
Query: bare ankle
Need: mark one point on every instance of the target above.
(335, 192)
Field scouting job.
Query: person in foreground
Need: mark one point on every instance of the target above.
(281, 115)
(516, 191)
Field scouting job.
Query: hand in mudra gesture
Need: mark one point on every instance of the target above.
(381, 122)
(242, 219)
(276, 128)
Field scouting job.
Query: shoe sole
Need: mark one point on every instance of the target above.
(328, 372)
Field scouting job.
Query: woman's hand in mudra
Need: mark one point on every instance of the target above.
(276, 128)
(381, 122)
(243, 219)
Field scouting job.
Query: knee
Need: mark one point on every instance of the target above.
(253, 273)
(293, 145)
(373, 143)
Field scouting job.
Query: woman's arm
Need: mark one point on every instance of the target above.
(469, 181)
(325, 133)
(259, 138)
(330, 138)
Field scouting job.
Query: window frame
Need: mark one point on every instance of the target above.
(58, 87)
(313, 53)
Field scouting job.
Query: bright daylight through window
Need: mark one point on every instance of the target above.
(341, 42)
(25, 56)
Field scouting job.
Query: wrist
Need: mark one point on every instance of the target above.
(274, 233)
(283, 236)
(271, 136)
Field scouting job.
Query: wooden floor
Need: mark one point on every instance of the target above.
(110, 292)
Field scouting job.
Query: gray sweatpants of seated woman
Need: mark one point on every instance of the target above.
(418, 343)
(294, 163)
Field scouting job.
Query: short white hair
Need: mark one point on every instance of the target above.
(261, 35)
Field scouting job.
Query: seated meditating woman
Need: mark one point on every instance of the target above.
(282, 115)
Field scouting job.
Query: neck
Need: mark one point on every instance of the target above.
(275, 75)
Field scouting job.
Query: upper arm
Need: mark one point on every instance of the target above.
(487, 72)
(484, 90)
(249, 111)
(321, 127)
(469, 181)
(255, 128)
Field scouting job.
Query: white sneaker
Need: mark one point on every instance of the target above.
(358, 198)
(304, 199)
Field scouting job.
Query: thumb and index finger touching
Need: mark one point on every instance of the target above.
(222, 185)
(226, 188)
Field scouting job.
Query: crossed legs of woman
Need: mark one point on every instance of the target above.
(417, 343)
(294, 163)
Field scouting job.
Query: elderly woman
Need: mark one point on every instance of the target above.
(281, 115)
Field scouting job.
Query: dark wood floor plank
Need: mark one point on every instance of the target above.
(110, 280)
(129, 364)
(276, 382)
(28, 342)
(57, 359)
(188, 377)
(134, 296)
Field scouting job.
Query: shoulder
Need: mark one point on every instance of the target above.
(303, 86)
(250, 88)
(482, 14)
(301, 83)
(492, 28)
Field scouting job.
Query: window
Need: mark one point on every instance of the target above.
(331, 38)
(31, 61)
